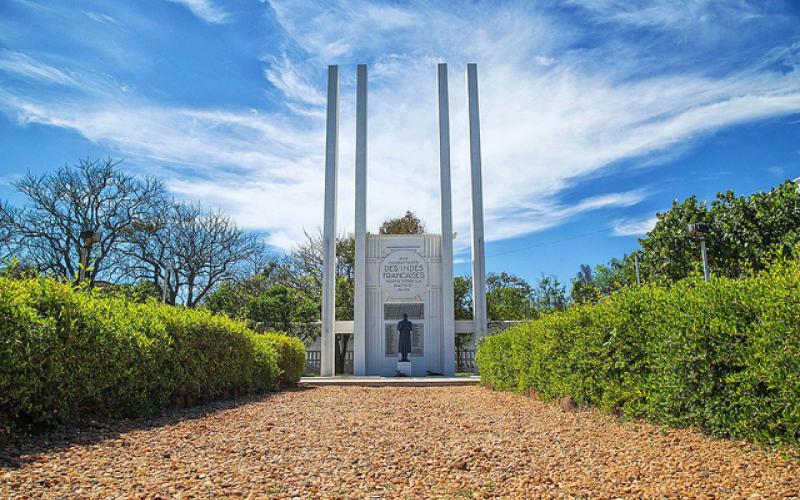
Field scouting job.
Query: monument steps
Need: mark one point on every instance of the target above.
(374, 381)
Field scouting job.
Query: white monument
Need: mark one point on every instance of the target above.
(401, 278)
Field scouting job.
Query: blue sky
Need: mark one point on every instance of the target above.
(596, 114)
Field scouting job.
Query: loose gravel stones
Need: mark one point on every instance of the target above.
(426, 442)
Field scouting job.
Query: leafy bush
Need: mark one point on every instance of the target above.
(723, 356)
(291, 357)
(66, 352)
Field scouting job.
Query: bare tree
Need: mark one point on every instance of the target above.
(92, 195)
(148, 247)
(8, 244)
(306, 261)
(202, 249)
(209, 249)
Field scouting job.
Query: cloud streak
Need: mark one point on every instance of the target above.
(21, 65)
(206, 10)
(634, 227)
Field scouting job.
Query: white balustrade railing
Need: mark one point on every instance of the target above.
(465, 355)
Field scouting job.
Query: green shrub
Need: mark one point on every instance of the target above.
(723, 356)
(66, 352)
(291, 357)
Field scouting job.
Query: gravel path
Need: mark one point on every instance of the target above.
(390, 442)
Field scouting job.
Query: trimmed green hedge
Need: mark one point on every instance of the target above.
(723, 356)
(291, 357)
(65, 352)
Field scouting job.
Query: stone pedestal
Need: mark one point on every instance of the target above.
(404, 368)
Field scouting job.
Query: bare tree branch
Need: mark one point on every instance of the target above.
(94, 194)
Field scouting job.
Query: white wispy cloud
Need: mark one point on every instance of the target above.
(534, 216)
(330, 30)
(634, 227)
(290, 79)
(24, 66)
(777, 170)
(206, 141)
(206, 10)
(553, 112)
(260, 168)
(100, 17)
(686, 15)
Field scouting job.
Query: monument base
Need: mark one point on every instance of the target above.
(404, 368)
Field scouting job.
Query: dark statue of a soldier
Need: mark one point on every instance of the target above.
(405, 327)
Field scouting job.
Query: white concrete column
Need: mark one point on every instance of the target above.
(328, 353)
(448, 318)
(478, 252)
(360, 292)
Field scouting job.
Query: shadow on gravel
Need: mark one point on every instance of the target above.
(87, 431)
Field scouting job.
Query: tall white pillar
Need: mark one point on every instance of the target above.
(327, 361)
(448, 319)
(478, 252)
(360, 292)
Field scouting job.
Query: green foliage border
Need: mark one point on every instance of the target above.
(722, 356)
(67, 352)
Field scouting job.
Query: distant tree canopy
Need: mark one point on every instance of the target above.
(142, 231)
(270, 300)
(407, 224)
(510, 297)
(746, 233)
(462, 297)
